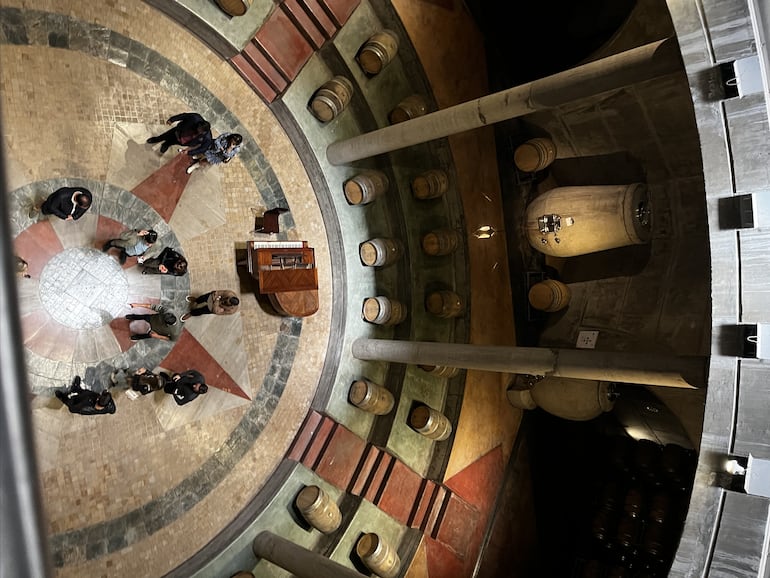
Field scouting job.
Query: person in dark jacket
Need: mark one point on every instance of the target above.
(141, 380)
(193, 132)
(169, 262)
(162, 323)
(186, 386)
(67, 203)
(85, 401)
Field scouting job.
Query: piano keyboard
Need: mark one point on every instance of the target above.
(277, 244)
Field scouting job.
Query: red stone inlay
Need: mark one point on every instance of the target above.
(319, 15)
(402, 489)
(317, 445)
(364, 470)
(340, 10)
(340, 458)
(163, 188)
(442, 561)
(286, 45)
(479, 482)
(188, 353)
(304, 22)
(48, 338)
(254, 77)
(36, 245)
(305, 437)
(379, 477)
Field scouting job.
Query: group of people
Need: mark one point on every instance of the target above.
(193, 134)
(183, 387)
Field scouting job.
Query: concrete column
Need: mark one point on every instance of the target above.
(636, 368)
(300, 561)
(611, 73)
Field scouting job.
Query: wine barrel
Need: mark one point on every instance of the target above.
(431, 184)
(441, 242)
(379, 556)
(445, 304)
(331, 99)
(234, 7)
(431, 423)
(379, 252)
(371, 397)
(409, 108)
(378, 51)
(383, 311)
(571, 221)
(440, 370)
(534, 155)
(549, 295)
(365, 187)
(319, 509)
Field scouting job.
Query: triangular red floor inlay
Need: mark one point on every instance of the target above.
(188, 353)
(163, 188)
(37, 244)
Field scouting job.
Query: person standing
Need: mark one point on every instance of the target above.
(67, 203)
(224, 148)
(162, 323)
(186, 386)
(219, 302)
(168, 262)
(134, 243)
(142, 380)
(192, 131)
(85, 401)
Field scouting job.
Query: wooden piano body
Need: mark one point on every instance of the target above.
(287, 274)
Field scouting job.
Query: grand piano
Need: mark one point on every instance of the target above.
(287, 275)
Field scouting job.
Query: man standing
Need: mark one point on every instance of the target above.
(186, 386)
(85, 401)
(219, 302)
(193, 132)
(134, 243)
(162, 324)
(67, 203)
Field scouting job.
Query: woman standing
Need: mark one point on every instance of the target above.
(225, 147)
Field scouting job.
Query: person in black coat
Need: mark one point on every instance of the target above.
(169, 262)
(193, 132)
(186, 386)
(85, 401)
(67, 203)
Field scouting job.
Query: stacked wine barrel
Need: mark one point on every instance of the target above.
(638, 512)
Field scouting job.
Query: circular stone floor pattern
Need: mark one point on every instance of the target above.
(83, 288)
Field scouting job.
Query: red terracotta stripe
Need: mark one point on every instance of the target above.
(254, 78)
(320, 16)
(342, 454)
(304, 23)
(364, 470)
(378, 478)
(283, 42)
(319, 443)
(304, 438)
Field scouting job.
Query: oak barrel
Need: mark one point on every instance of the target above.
(383, 311)
(430, 422)
(445, 304)
(234, 7)
(430, 185)
(331, 99)
(319, 509)
(440, 370)
(549, 295)
(378, 51)
(379, 556)
(441, 242)
(371, 397)
(380, 251)
(365, 187)
(534, 155)
(409, 108)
